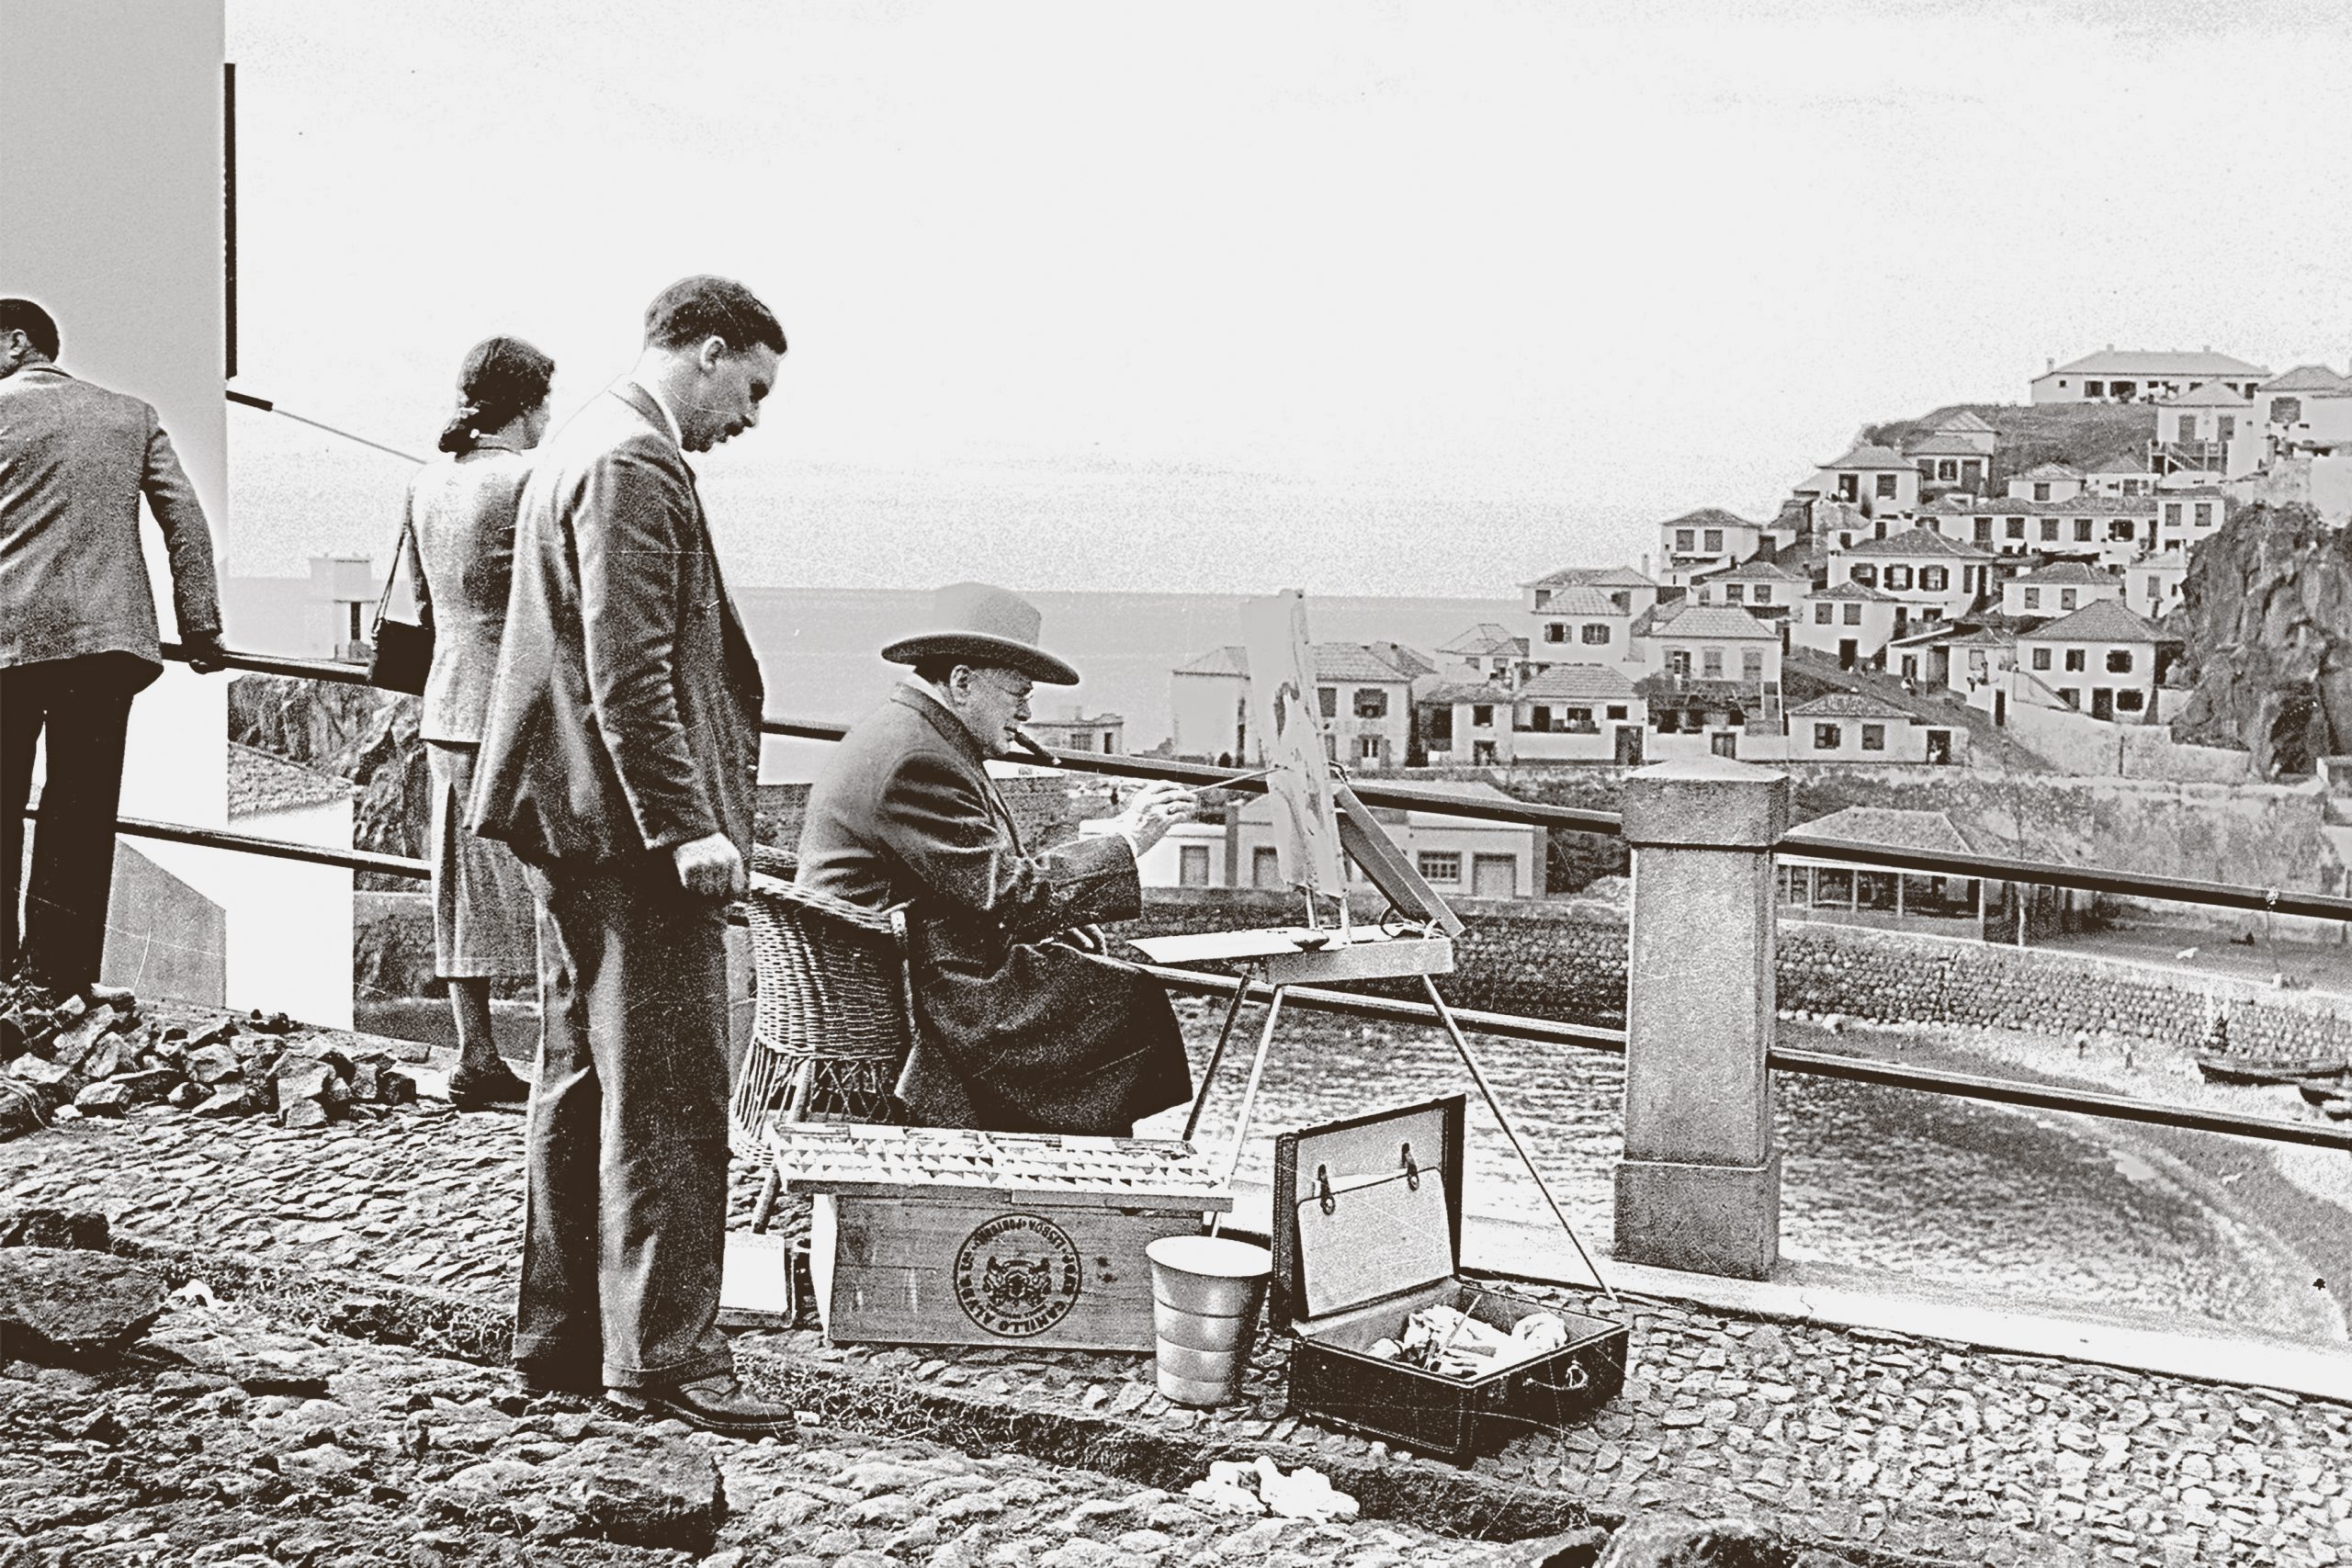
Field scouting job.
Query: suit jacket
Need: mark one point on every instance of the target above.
(74, 459)
(1015, 1032)
(624, 720)
(461, 560)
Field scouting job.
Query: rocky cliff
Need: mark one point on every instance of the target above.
(2267, 616)
(356, 733)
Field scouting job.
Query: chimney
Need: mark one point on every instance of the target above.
(2049, 363)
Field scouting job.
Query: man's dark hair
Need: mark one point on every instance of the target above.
(938, 668)
(24, 316)
(696, 307)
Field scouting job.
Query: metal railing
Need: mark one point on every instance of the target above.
(1814, 1064)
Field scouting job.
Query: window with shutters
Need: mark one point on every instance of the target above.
(1555, 631)
(1823, 615)
(1684, 540)
(1735, 592)
(1710, 663)
(2130, 700)
(2065, 598)
(1934, 579)
(1328, 698)
(2041, 659)
(2032, 598)
(2172, 514)
(2204, 515)
(2050, 530)
(1886, 487)
(1853, 615)
(1594, 634)
(2041, 490)
(2082, 530)
(1896, 579)
(1827, 738)
(1873, 737)
(1863, 573)
(2119, 662)
(1482, 716)
(1714, 541)
(1370, 703)
(1751, 664)
(2077, 659)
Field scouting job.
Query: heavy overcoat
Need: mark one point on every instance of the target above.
(624, 720)
(1014, 1032)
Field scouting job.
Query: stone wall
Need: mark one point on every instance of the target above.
(1565, 960)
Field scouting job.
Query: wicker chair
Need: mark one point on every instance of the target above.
(834, 1017)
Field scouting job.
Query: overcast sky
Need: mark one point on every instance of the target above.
(1364, 299)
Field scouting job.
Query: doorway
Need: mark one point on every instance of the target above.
(2102, 702)
(1629, 745)
(1849, 650)
(1494, 876)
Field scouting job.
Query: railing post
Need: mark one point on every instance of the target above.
(1699, 1186)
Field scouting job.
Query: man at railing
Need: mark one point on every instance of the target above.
(1017, 1031)
(619, 760)
(78, 638)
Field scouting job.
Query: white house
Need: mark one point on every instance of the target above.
(1766, 588)
(1950, 461)
(1486, 651)
(1458, 856)
(2152, 584)
(2209, 429)
(1930, 577)
(1849, 622)
(1978, 665)
(2059, 589)
(2187, 518)
(2308, 409)
(1707, 540)
(2114, 527)
(2137, 375)
(1710, 642)
(1364, 690)
(2125, 480)
(1577, 712)
(2103, 659)
(2047, 481)
(1850, 726)
(1627, 589)
(1968, 428)
(1879, 480)
(1583, 623)
(1075, 729)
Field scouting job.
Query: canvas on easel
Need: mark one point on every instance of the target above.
(1289, 719)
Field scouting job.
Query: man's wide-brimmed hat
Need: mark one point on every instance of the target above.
(978, 625)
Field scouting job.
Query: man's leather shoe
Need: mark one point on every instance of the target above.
(714, 1404)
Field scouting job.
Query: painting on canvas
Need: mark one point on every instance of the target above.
(1283, 707)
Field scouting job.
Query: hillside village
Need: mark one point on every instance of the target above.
(1993, 587)
(1988, 574)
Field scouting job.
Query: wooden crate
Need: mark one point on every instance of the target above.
(931, 1235)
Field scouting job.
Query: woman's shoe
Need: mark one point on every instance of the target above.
(493, 1089)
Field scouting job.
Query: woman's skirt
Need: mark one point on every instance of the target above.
(485, 926)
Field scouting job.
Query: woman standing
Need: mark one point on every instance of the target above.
(461, 539)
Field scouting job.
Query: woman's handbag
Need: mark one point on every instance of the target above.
(403, 650)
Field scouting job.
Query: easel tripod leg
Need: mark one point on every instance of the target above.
(1217, 1055)
(1502, 1120)
(1249, 1094)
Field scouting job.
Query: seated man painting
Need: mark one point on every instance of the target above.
(1018, 1028)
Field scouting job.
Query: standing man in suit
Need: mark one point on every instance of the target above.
(78, 638)
(619, 759)
(1018, 1027)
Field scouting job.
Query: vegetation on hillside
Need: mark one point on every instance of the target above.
(2091, 437)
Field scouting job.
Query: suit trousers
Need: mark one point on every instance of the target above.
(82, 707)
(626, 1169)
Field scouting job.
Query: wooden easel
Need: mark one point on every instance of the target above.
(1281, 957)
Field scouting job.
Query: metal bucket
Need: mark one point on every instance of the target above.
(1205, 1294)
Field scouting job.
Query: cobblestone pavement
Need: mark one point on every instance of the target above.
(1902, 1444)
(231, 1440)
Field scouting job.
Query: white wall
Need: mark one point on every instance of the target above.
(1202, 710)
(289, 923)
(111, 126)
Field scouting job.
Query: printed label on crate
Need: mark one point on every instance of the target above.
(1018, 1275)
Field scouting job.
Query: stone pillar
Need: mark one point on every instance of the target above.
(1699, 1186)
